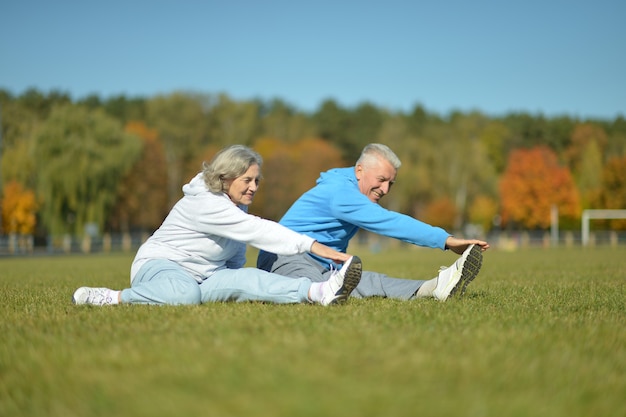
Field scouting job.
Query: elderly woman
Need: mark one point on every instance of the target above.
(198, 253)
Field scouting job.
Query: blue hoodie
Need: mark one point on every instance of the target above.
(334, 210)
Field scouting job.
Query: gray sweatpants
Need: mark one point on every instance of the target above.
(373, 284)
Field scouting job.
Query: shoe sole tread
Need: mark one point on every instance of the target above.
(351, 279)
(471, 267)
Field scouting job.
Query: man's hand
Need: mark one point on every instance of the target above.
(458, 246)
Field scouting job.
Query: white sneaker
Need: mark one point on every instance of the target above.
(94, 296)
(342, 282)
(455, 278)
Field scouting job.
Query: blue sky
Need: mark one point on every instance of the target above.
(549, 57)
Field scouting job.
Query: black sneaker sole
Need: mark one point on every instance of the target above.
(471, 267)
(350, 280)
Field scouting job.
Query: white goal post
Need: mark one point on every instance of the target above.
(598, 214)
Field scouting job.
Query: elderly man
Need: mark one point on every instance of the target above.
(346, 200)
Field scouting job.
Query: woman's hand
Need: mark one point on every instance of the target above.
(458, 246)
(329, 253)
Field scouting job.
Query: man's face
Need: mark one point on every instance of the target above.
(375, 178)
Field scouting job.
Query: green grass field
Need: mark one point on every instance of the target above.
(541, 332)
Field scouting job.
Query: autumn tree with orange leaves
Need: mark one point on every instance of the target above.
(18, 210)
(290, 169)
(440, 212)
(532, 183)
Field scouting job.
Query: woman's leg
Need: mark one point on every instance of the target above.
(162, 282)
(252, 284)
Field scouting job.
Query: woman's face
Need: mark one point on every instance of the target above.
(241, 190)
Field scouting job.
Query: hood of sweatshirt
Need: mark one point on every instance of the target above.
(337, 175)
(195, 186)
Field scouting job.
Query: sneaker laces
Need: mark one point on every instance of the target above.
(99, 297)
(334, 271)
(332, 283)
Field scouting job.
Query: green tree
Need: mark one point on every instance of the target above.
(418, 119)
(124, 109)
(448, 161)
(231, 122)
(589, 175)
(582, 137)
(281, 120)
(81, 157)
(558, 132)
(527, 130)
(365, 124)
(180, 119)
(616, 132)
(91, 102)
(18, 126)
(333, 123)
(613, 190)
(470, 169)
(141, 201)
(41, 104)
(493, 138)
(394, 133)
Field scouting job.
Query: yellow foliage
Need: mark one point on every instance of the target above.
(140, 129)
(482, 211)
(18, 209)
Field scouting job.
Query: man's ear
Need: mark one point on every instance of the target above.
(358, 171)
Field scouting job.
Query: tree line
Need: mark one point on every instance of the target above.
(112, 165)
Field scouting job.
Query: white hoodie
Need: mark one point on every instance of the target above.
(205, 232)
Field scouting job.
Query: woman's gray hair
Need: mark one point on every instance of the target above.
(228, 164)
(373, 151)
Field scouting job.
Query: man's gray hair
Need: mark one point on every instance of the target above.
(377, 150)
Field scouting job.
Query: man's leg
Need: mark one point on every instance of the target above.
(295, 266)
(374, 284)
